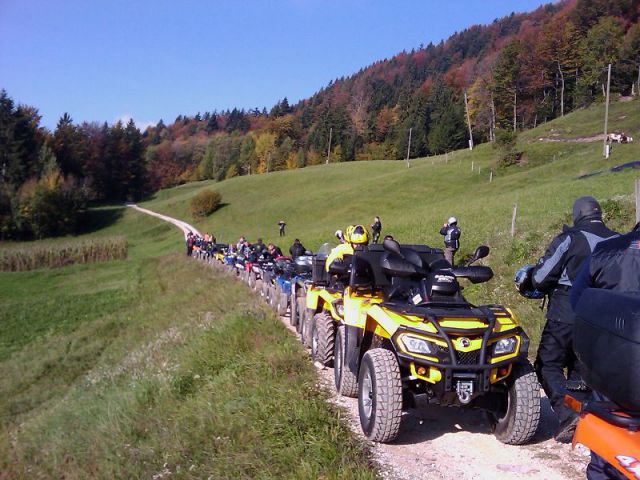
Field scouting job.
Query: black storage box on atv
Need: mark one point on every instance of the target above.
(607, 343)
(319, 275)
(304, 263)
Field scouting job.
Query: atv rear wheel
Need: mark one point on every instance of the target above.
(307, 329)
(516, 421)
(273, 297)
(323, 338)
(301, 313)
(380, 395)
(293, 309)
(346, 382)
(258, 287)
(282, 303)
(252, 279)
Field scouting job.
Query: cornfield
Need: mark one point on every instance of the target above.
(22, 258)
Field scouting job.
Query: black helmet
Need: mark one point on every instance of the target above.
(586, 207)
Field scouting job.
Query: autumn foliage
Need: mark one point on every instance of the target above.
(205, 203)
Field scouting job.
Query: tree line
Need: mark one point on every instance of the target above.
(48, 178)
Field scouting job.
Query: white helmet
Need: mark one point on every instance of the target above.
(452, 220)
(339, 235)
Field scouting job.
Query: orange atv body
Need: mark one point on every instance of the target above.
(610, 433)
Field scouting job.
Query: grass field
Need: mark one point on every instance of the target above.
(413, 202)
(156, 366)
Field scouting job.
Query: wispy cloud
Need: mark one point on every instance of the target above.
(142, 125)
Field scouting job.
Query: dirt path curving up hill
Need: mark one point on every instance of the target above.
(453, 443)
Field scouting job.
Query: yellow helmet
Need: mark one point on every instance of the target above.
(357, 234)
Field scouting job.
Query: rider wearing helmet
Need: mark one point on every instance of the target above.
(355, 235)
(451, 233)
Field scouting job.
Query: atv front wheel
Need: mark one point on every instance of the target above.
(252, 279)
(516, 421)
(346, 382)
(307, 329)
(380, 395)
(258, 287)
(322, 339)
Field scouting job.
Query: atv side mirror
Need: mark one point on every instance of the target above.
(392, 246)
(481, 252)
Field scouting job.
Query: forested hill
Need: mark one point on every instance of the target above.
(517, 72)
(537, 64)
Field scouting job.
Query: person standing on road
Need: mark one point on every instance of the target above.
(451, 233)
(274, 250)
(613, 265)
(189, 244)
(376, 228)
(554, 275)
(281, 225)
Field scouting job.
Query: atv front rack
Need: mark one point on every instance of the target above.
(450, 361)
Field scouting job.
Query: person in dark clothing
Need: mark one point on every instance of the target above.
(281, 225)
(274, 250)
(189, 244)
(451, 233)
(554, 275)
(613, 265)
(376, 228)
(259, 246)
(296, 249)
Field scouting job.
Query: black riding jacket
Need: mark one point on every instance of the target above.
(376, 226)
(557, 269)
(613, 265)
(451, 236)
(297, 249)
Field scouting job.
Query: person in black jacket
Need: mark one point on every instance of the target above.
(376, 228)
(613, 265)
(296, 249)
(554, 275)
(451, 233)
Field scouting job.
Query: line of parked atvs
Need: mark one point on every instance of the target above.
(393, 323)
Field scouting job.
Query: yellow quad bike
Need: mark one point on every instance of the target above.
(323, 311)
(409, 333)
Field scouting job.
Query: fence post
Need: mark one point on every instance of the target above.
(513, 220)
(472, 165)
(490, 176)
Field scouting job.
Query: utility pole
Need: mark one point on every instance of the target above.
(638, 79)
(606, 113)
(329, 149)
(466, 107)
(409, 146)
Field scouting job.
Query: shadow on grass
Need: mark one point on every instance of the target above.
(97, 218)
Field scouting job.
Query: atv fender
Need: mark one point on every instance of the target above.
(379, 322)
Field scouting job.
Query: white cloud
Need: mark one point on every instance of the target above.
(125, 117)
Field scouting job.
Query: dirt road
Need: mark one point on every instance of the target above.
(452, 443)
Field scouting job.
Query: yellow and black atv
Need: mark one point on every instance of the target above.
(409, 333)
(323, 308)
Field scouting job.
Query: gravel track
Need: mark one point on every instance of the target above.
(452, 443)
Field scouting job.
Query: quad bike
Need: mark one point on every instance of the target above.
(409, 333)
(609, 425)
(324, 308)
(299, 284)
(284, 271)
(256, 275)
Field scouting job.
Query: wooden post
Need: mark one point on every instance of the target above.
(513, 220)
(606, 113)
(472, 166)
(446, 157)
(637, 200)
(409, 147)
(329, 149)
(479, 169)
(466, 107)
(491, 176)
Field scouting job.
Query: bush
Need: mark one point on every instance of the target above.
(506, 144)
(205, 203)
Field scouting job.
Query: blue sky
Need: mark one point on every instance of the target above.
(107, 59)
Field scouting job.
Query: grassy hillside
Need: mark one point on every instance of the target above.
(413, 202)
(151, 367)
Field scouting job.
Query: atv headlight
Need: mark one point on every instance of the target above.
(417, 345)
(505, 346)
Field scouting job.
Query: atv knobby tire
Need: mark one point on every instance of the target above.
(518, 422)
(252, 279)
(293, 309)
(282, 303)
(258, 287)
(380, 395)
(301, 313)
(265, 290)
(307, 328)
(345, 380)
(323, 337)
